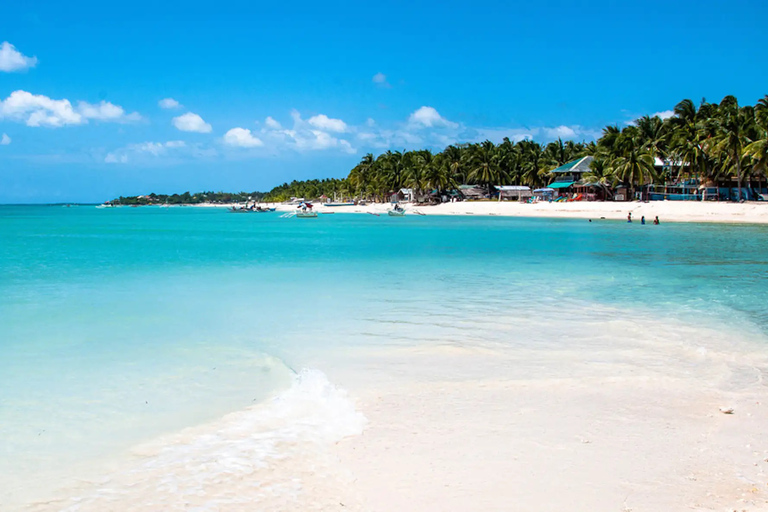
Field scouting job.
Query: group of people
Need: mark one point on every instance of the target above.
(642, 219)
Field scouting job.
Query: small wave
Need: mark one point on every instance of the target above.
(271, 456)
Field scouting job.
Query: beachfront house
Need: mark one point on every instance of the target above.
(568, 174)
(404, 195)
(472, 192)
(513, 192)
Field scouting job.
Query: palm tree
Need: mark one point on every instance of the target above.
(455, 160)
(758, 150)
(636, 167)
(531, 163)
(732, 127)
(484, 164)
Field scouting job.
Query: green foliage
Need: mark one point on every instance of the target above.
(716, 142)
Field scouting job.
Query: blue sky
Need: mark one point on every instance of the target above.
(270, 92)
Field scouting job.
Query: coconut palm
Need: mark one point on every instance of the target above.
(758, 150)
(733, 125)
(484, 164)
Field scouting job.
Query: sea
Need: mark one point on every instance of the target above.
(157, 353)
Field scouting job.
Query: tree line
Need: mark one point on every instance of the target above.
(715, 142)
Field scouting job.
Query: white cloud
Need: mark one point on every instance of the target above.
(270, 122)
(5, 140)
(105, 111)
(428, 117)
(323, 122)
(562, 131)
(157, 148)
(191, 122)
(242, 137)
(168, 103)
(664, 114)
(310, 135)
(112, 158)
(370, 122)
(140, 151)
(13, 60)
(39, 110)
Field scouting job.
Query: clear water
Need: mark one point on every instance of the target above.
(122, 325)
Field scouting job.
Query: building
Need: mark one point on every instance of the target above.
(568, 174)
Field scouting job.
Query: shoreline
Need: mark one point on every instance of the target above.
(667, 211)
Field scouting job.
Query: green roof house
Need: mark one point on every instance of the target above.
(568, 174)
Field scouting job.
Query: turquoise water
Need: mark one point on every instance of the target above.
(119, 325)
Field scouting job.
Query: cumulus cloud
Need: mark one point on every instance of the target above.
(191, 122)
(428, 117)
(664, 114)
(242, 138)
(105, 111)
(5, 140)
(313, 134)
(270, 122)
(562, 131)
(13, 60)
(39, 110)
(323, 122)
(168, 103)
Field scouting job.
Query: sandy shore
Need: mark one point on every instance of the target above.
(588, 427)
(667, 211)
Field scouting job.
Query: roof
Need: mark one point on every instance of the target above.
(578, 165)
(660, 162)
(561, 184)
(513, 188)
(545, 190)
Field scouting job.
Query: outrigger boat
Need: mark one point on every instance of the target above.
(251, 209)
(306, 211)
(397, 211)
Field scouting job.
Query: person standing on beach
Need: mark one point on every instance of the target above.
(642, 220)
(629, 217)
(656, 221)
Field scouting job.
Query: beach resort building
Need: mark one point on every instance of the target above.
(569, 174)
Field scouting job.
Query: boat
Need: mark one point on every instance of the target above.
(305, 211)
(105, 205)
(331, 205)
(396, 211)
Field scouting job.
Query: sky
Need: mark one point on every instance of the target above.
(101, 99)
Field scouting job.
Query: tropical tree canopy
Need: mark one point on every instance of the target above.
(710, 141)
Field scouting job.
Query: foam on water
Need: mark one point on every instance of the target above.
(266, 457)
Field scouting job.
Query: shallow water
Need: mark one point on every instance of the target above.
(124, 326)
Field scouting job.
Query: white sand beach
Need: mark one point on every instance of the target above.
(610, 423)
(667, 211)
